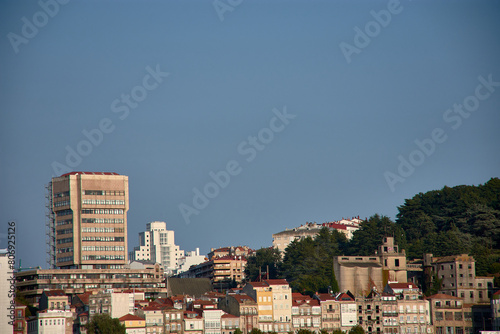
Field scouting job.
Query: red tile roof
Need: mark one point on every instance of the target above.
(325, 296)
(276, 281)
(227, 315)
(90, 173)
(344, 296)
(84, 297)
(130, 317)
(51, 293)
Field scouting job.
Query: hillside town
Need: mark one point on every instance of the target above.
(159, 288)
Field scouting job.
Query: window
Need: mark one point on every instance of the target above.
(396, 262)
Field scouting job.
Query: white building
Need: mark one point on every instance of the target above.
(157, 244)
(52, 322)
(192, 258)
(212, 321)
(5, 303)
(116, 304)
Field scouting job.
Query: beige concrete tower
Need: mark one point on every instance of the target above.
(88, 220)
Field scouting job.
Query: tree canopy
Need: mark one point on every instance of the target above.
(104, 324)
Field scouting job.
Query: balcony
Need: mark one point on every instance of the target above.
(390, 313)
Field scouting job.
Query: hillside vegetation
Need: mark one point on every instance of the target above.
(450, 221)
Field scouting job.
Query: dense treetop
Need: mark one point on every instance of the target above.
(450, 221)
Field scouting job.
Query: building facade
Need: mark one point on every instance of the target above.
(157, 244)
(360, 274)
(32, 283)
(87, 221)
(458, 278)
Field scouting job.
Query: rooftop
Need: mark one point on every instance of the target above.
(90, 173)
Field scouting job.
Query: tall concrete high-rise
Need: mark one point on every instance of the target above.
(157, 244)
(87, 220)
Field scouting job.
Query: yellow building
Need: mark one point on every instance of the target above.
(133, 324)
(261, 292)
(274, 300)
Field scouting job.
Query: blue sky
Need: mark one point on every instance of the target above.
(352, 116)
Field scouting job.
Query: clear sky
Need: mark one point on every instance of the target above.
(309, 108)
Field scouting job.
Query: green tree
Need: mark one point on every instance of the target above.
(338, 331)
(357, 330)
(104, 324)
(304, 331)
(238, 331)
(255, 331)
(264, 258)
(308, 263)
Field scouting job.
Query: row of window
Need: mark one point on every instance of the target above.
(51, 322)
(61, 194)
(104, 192)
(414, 329)
(62, 203)
(410, 319)
(64, 222)
(65, 231)
(103, 257)
(102, 211)
(64, 241)
(65, 250)
(102, 220)
(104, 202)
(102, 230)
(438, 316)
(65, 259)
(66, 212)
(102, 248)
(103, 239)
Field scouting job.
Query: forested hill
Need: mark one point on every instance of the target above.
(462, 219)
(450, 221)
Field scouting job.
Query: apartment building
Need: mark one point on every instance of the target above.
(495, 310)
(449, 315)
(274, 300)
(54, 300)
(229, 323)
(413, 309)
(221, 270)
(87, 220)
(116, 304)
(133, 324)
(243, 251)
(193, 323)
(157, 244)
(330, 311)
(347, 311)
(306, 313)
(458, 278)
(262, 293)
(242, 306)
(282, 239)
(51, 322)
(32, 283)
